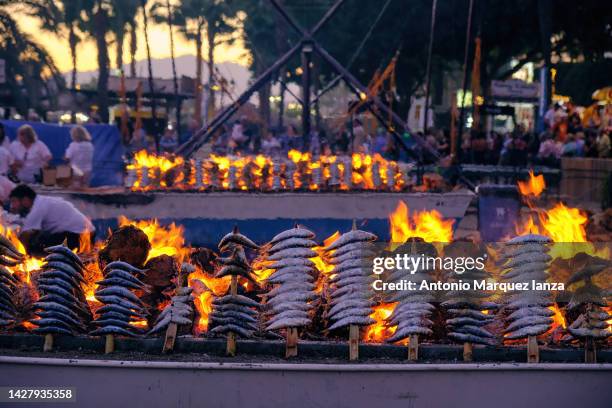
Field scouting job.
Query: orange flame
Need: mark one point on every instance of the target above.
(534, 186)
(565, 226)
(428, 225)
(367, 172)
(377, 332)
(321, 261)
(168, 240)
(155, 167)
(205, 287)
(558, 318)
(29, 264)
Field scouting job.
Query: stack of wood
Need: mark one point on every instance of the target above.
(121, 307)
(289, 300)
(412, 313)
(61, 308)
(9, 256)
(351, 286)
(234, 314)
(526, 260)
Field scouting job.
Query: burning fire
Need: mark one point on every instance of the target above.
(558, 318)
(428, 225)
(565, 226)
(30, 264)
(377, 332)
(532, 187)
(204, 287)
(167, 240)
(263, 173)
(151, 167)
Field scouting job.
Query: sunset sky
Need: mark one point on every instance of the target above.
(159, 40)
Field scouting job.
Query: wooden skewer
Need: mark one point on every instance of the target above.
(172, 329)
(468, 352)
(413, 347)
(590, 351)
(353, 342)
(230, 349)
(292, 340)
(48, 346)
(109, 345)
(533, 351)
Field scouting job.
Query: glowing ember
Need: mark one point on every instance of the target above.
(379, 331)
(532, 187)
(428, 225)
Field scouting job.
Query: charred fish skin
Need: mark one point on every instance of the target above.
(236, 239)
(233, 313)
(64, 267)
(124, 275)
(465, 309)
(290, 298)
(297, 232)
(524, 263)
(5, 242)
(122, 266)
(66, 253)
(113, 330)
(61, 294)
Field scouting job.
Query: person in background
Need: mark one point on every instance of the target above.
(290, 139)
(6, 186)
(270, 146)
(47, 220)
(6, 143)
(380, 142)
(79, 155)
(570, 147)
(168, 142)
(6, 158)
(549, 152)
(590, 143)
(603, 145)
(30, 154)
(359, 137)
(479, 147)
(139, 142)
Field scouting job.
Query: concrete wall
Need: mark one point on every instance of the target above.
(167, 384)
(209, 216)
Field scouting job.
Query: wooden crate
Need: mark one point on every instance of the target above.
(583, 178)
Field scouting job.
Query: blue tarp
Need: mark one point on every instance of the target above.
(108, 150)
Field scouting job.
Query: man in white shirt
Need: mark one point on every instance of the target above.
(48, 220)
(30, 154)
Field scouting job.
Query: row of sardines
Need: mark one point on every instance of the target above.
(296, 295)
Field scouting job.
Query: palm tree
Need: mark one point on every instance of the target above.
(124, 17)
(57, 16)
(27, 64)
(166, 16)
(97, 25)
(196, 18)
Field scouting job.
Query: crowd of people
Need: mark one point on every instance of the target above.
(23, 160)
